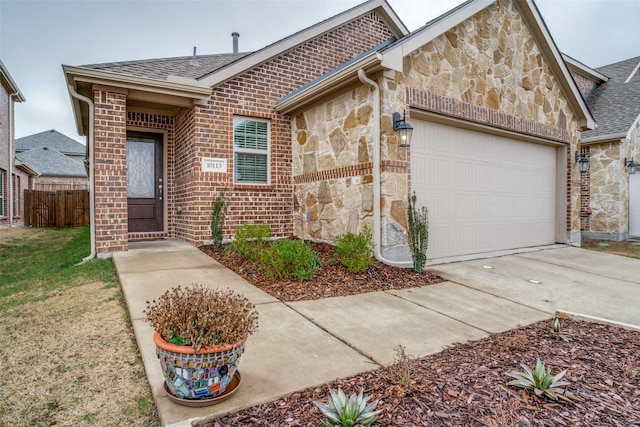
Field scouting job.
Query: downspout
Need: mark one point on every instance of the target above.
(92, 200)
(12, 154)
(377, 237)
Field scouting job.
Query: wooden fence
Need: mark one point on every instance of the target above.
(63, 208)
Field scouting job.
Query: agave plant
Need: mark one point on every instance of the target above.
(542, 383)
(555, 332)
(351, 412)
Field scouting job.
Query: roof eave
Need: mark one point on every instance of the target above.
(12, 86)
(381, 7)
(177, 89)
(25, 168)
(613, 137)
(555, 61)
(583, 69)
(392, 57)
(333, 83)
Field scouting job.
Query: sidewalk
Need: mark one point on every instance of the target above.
(308, 343)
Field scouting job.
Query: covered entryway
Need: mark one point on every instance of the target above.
(484, 192)
(145, 187)
(634, 205)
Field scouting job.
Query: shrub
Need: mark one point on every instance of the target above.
(343, 412)
(219, 208)
(354, 250)
(202, 317)
(418, 233)
(251, 240)
(286, 259)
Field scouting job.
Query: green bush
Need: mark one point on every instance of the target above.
(286, 259)
(354, 250)
(251, 240)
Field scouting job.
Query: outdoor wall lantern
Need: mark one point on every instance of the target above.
(403, 128)
(631, 165)
(583, 161)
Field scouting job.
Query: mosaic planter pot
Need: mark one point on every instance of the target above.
(201, 376)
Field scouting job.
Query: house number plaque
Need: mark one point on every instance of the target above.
(210, 164)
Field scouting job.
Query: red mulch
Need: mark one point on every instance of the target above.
(332, 279)
(464, 385)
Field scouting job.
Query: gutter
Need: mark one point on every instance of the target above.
(92, 200)
(377, 238)
(11, 154)
(604, 138)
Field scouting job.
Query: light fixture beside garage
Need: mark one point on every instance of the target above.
(403, 128)
(630, 165)
(583, 161)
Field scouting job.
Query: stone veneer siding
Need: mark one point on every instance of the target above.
(609, 187)
(207, 131)
(492, 61)
(488, 70)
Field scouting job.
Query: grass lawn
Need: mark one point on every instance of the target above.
(67, 351)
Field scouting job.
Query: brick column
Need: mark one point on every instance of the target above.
(110, 168)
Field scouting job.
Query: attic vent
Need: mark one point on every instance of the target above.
(194, 60)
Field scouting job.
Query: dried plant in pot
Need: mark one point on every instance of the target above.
(200, 334)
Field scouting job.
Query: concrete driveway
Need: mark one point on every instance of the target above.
(567, 279)
(308, 343)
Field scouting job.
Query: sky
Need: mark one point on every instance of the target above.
(37, 37)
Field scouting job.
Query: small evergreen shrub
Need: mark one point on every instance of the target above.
(354, 250)
(287, 259)
(251, 240)
(219, 208)
(418, 233)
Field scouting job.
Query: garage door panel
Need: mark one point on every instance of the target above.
(484, 192)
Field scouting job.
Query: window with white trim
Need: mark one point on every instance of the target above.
(251, 151)
(2, 191)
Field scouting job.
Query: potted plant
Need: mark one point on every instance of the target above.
(200, 335)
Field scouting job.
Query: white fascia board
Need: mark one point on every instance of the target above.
(261, 56)
(13, 87)
(393, 57)
(548, 47)
(580, 67)
(331, 83)
(633, 73)
(196, 90)
(614, 137)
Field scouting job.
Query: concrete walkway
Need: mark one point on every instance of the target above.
(308, 343)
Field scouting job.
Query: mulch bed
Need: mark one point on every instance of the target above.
(465, 385)
(332, 279)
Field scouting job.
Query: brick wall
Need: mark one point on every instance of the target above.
(585, 194)
(207, 132)
(584, 84)
(110, 170)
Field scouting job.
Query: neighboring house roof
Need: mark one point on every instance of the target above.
(615, 103)
(52, 139)
(391, 57)
(7, 81)
(161, 68)
(46, 161)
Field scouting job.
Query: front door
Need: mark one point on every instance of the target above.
(145, 186)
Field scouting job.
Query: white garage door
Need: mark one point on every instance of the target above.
(484, 192)
(634, 205)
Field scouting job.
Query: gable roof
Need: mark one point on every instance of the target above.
(615, 103)
(52, 139)
(50, 162)
(391, 57)
(162, 68)
(7, 81)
